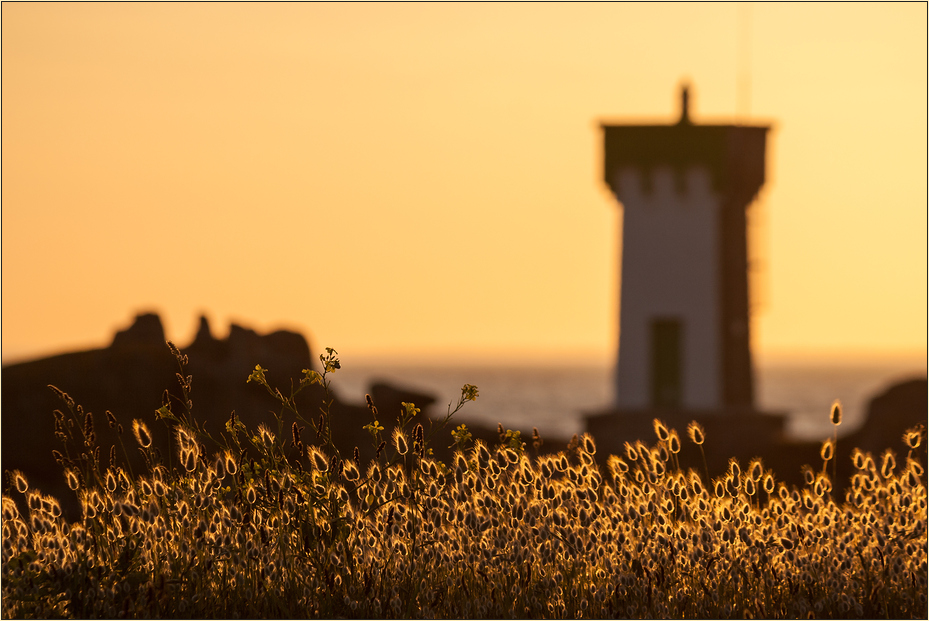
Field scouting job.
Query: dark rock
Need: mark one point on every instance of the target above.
(898, 408)
(146, 331)
(130, 377)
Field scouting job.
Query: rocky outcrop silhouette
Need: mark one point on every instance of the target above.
(130, 379)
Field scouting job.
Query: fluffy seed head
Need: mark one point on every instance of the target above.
(319, 460)
(769, 483)
(631, 453)
(140, 431)
(266, 435)
(374, 472)
(19, 480)
(734, 469)
(858, 459)
(661, 430)
(400, 442)
(188, 460)
(351, 471)
(71, 478)
(835, 413)
(888, 464)
(588, 443)
(695, 432)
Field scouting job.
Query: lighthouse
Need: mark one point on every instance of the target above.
(684, 188)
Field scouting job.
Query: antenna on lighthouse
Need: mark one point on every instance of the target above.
(744, 76)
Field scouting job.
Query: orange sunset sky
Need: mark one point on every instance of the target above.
(419, 180)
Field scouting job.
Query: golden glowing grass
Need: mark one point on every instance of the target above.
(495, 533)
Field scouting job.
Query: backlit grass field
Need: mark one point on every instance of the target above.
(265, 524)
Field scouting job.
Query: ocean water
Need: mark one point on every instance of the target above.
(554, 398)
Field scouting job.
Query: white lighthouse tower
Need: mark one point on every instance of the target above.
(684, 303)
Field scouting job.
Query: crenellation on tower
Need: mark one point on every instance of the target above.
(693, 184)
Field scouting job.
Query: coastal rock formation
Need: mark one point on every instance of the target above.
(130, 378)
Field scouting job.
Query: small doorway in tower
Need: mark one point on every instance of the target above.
(666, 378)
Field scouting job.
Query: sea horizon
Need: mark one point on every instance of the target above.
(555, 395)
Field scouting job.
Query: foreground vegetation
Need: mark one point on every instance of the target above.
(263, 525)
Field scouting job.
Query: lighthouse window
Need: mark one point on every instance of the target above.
(666, 380)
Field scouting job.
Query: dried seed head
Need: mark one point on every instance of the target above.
(858, 459)
(769, 483)
(835, 415)
(588, 444)
(695, 432)
(351, 471)
(374, 472)
(188, 460)
(826, 452)
(661, 430)
(482, 455)
(266, 435)
(142, 436)
(913, 437)
(915, 467)
(400, 442)
(71, 478)
(89, 435)
(734, 469)
(19, 480)
(319, 460)
(888, 464)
